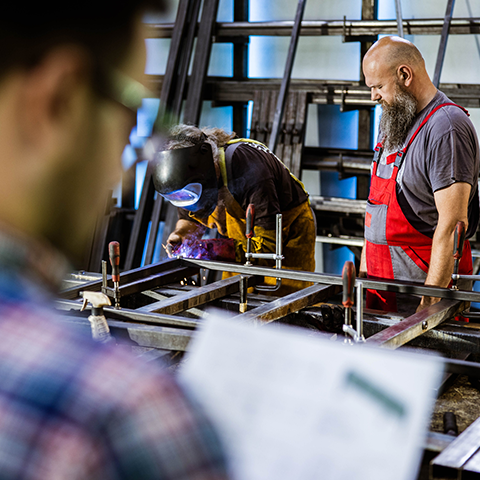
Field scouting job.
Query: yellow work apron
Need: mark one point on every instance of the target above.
(298, 233)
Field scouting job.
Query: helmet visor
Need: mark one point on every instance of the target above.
(188, 195)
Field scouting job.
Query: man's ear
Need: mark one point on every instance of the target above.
(51, 91)
(404, 75)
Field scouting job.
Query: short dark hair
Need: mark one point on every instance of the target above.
(102, 27)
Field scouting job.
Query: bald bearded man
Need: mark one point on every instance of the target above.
(424, 176)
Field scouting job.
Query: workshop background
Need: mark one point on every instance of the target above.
(338, 131)
(235, 58)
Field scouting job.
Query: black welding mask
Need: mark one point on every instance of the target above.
(187, 178)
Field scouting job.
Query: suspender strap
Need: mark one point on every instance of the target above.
(427, 118)
(228, 158)
(401, 153)
(399, 157)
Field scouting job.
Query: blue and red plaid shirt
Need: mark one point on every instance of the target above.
(71, 409)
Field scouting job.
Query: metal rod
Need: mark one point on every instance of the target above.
(193, 103)
(359, 302)
(417, 324)
(199, 296)
(414, 26)
(398, 11)
(282, 96)
(243, 290)
(279, 238)
(178, 51)
(127, 276)
(290, 303)
(104, 276)
(126, 314)
(443, 42)
(456, 276)
(277, 257)
(398, 286)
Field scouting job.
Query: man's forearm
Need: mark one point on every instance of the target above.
(441, 263)
(452, 206)
(185, 228)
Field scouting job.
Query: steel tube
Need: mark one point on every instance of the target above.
(398, 11)
(417, 324)
(462, 367)
(443, 43)
(413, 26)
(127, 276)
(359, 303)
(388, 285)
(279, 238)
(198, 296)
(287, 75)
(465, 277)
(267, 256)
(126, 314)
(452, 462)
(289, 304)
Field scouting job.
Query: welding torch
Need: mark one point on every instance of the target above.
(458, 242)
(114, 255)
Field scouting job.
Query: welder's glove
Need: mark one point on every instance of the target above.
(220, 249)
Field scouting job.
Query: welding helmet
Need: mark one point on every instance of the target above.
(187, 178)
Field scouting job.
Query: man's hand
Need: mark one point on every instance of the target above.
(183, 229)
(174, 240)
(427, 302)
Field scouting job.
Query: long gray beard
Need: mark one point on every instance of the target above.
(397, 119)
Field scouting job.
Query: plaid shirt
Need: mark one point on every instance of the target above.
(71, 409)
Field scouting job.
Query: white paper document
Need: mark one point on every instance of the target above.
(293, 406)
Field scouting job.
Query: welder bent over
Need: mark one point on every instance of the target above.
(212, 177)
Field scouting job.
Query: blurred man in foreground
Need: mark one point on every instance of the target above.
(68, 408)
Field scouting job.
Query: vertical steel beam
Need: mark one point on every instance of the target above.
(171, 97)
(177, 50)
(365, 115)
(240, 66)
(154, 223)
(138, 234)
(282, 97)
(443, 42)
(193, 105)
(184, 63)
(398, 11)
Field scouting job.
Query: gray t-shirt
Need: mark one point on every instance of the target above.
(444, 151)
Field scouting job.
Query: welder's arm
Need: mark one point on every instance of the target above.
(452, 207)
(184, 229)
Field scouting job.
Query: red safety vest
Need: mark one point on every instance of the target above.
(392, 243)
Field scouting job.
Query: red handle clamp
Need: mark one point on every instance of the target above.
(250, 220)
(348, 279)
(459, 240)
(114, 255)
